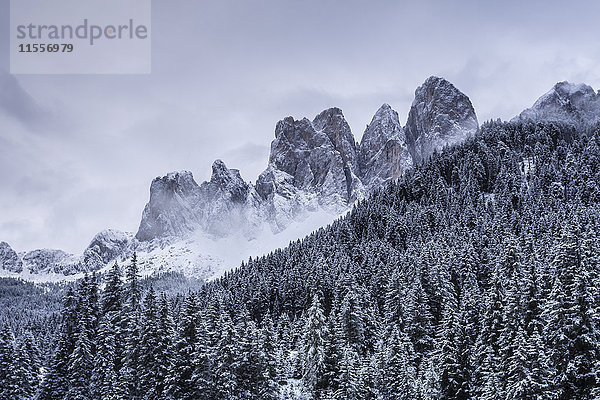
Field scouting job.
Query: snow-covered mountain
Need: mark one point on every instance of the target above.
(440, 115)
(383, 152)
(576, 104)
(315, 172)
(9, 259)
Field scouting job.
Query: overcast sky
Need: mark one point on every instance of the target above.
(78, 153)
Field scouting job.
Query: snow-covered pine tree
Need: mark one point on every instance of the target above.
(267, 350)
(570, 331)
(55, 382)
(25, 367)
(152, 381)
(181, 381)
(398, 380)
(130, 370)
(104, 378)
(226, 360)
(314, 347)
(81, 360)
(8, 381)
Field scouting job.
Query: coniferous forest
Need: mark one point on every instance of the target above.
(474, 276)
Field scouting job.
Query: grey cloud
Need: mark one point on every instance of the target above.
(250, 158)
(17, 103)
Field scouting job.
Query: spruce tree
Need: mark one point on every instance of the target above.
(131, 367)
(314, 347)
(226, 360)
(8, 383)
(104, 377)
(181, 382)
(399, 374)
(25, 367)
(80, 362)
(151, 378)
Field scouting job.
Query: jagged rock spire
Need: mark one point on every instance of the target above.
(440, 115)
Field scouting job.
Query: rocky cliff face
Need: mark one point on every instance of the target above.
(45, 261)
(41, 261)
(178, 205)
(313, 165)
(332, 123)
(171, 209)
(383, 152)
(440, 115)
(227, 204)
(319, 156)
(315, 172)
(575, 104)
(105, 247)
(9, 260)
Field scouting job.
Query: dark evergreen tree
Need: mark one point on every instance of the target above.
(314, 347)
(8, 384)
(25, 368)
(181, 381)
(131, 368)
(398, 372)
(80, 362)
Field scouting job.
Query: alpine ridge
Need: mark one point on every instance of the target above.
(313, 165)
(315, 172)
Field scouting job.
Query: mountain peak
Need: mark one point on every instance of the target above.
(383, 151)
(175, 179)
(106, 246)
(319, 156)
(440, 115)
(385, 114)
(9, 260)
(332, 112)
(228, 181)
(565, 92)
(435, 81)
(223, 176)
(568, 88)
(384, 109)
(170, 198)
(576, 104)
(218, 164)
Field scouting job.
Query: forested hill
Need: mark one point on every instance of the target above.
(475, 276)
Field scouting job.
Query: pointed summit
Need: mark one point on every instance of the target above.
(319, 156)
(9, 260)
(383, 152)
(229, 181)
(170, 210)
(334, 125)
(440, 115)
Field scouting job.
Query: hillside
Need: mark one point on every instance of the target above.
(475, 275)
